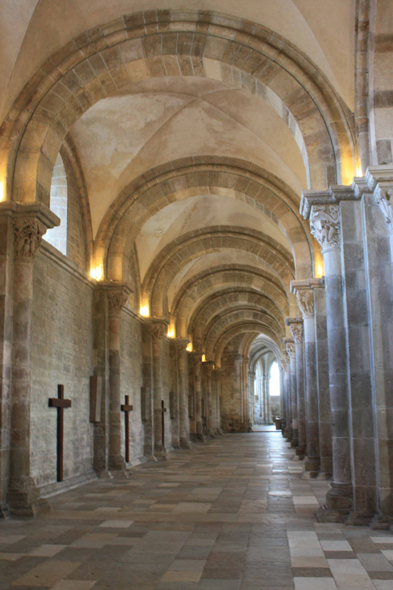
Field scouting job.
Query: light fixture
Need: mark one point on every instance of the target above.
(96, 273)
(171, 333)
(189, 347)
(144, 311)
(319, 270)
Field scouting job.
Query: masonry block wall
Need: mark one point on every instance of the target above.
(62, 353)
(131, 380)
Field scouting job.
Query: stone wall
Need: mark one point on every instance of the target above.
(166, 385)
(75, 234)
(131, 380)
(62, 353)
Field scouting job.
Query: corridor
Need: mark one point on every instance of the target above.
(231, 514)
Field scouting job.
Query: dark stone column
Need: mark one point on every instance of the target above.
(290, 346)
(285, 363)
(296, 328)
(148, 392)
(305, 299)
(209, 399)
(117, 296)
(324, 411)
(29, 225)
(158, 329)
(216, 399)
(325, 226)
(183, 391)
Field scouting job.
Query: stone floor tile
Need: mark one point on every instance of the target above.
(47, 573)
(314, 584)
(47, 550)
(117, 524)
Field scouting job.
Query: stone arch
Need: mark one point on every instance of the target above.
(205, 284)
(176, 254)
(229, 299)
(181, 179)
(221, 323)
(253, 327)
(104, 60)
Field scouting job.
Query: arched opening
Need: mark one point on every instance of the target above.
(57, 236)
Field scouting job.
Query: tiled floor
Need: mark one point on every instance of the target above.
(231, 514)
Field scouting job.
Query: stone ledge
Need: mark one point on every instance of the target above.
(52, 489)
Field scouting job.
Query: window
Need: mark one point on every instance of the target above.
(274, 381)
(58, 204)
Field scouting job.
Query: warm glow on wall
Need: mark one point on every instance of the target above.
(203, 358)
(319, 270)
(2, 190)
(189, 347)
(97, 273)
(144, 310)
(171, 333)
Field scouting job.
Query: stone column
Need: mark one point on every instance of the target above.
(158, 329)
(296, 329)
(290, 346)
(245, 393)
(325, 226)
(29, 225)
(251, 389)
(265, 407)
(209, 398)
(182, 380)
(197, 358)
(216, 377)
(324, 411)
(287, 433)
(305, 299)
(147, 392)
(117, 296)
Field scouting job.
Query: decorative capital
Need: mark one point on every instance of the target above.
(325, 226)
(291, 350)
(305, 300)
(296, 329)
(383, 197)
(158, 330)
(117, 298)
(209, 366)
(28, 234)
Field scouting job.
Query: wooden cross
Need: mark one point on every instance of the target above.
(60, 404)
(163, 410)
(126, 408)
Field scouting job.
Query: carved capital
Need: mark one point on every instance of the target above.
(305, 300)
(325, 226)
(296, 329)
(383, 197)
(290, 346)
(285, 361)
(28, 234)
(158, 331)
(181, 346)
(117, 298)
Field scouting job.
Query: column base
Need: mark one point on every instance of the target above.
(359, 519)
(200, 438)
(24, 500)
(380, 522)
(311, 466)
(294, 443)
(300, 452)
(184, 444)
(193, 437)
(339, 502)
(160, 453)
(323, 476)
(219, 432)
(211, 434)
(116, 463)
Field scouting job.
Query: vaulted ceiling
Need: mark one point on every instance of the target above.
(192, 166)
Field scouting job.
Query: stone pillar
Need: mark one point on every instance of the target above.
(158, 329)
(30, 222)
(290, 346)
(197, 365)
(209, 398)
(296, 328)
(183, 391)
(265, 405)
(325, 226)
(285, 361)
(245, 393)
(216, 379)
(117, 296)
(324, 411)
(305, 299)
(6, 307)
(147, 393)
(251, 389)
